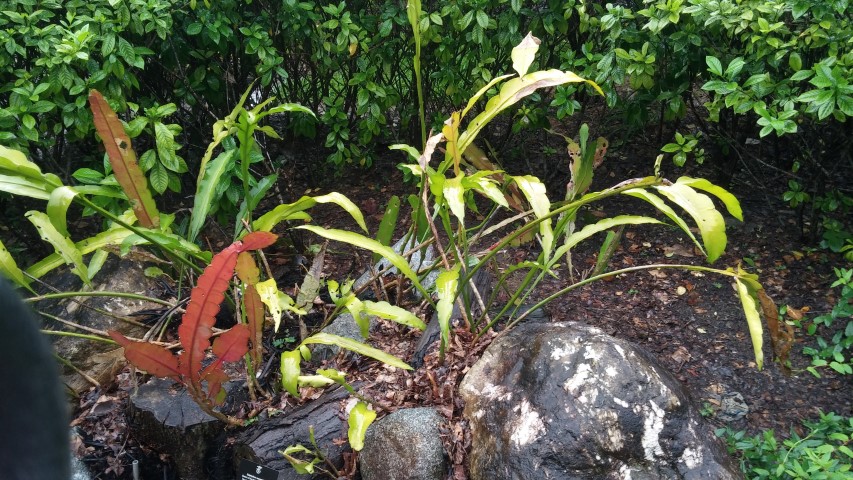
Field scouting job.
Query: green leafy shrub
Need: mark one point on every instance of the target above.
(823, 453)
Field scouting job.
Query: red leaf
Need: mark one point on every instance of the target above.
(154, 359)
(247, 269)
(233, 344)
(123, 160)
(254, 309)
(256, 240)
(215, 378)
(119, 338)
(200, 316)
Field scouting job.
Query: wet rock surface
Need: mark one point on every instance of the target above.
(566, 401)
(405, 445)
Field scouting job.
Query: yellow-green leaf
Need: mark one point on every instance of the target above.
(391, 312)
(10, 269)
(289, 211)
(600, 226)
(57, 207)
(290, 369)
(360, 417)
(710, 221)
(534, 191)
(524, 53)
(454, 193)
(62, 244)
(357, 347)
(372, 245)
(730, 201)
(446, 286)
(753, 320)
(661, 205)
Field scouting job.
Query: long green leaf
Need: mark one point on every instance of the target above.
(113, 236)
(57, 207)
(203, 200)
(15, 162)
(710, 221)
(753, 320)
(386, 226)
(357, 347)
(10, 269)
(25, 187)
(369, 244)
(62, 244)
(394, 313)
(534, 191)
(511, 92)
(360, 417)
(290, 370)
(730, 201)
(123, 160)
(287, 211)
(446, 286)
(600, 226)
(661, 205)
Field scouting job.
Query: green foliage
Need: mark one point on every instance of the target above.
(837, 352)
(683, 147)
(823, 453)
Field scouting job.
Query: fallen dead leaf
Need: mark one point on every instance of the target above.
(678, 249)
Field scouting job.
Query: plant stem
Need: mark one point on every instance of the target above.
(133, 296)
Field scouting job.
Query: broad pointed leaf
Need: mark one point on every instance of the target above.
(524, 53)
(710, 221)
(203, 201)
(394, 313)
(534, 191)
(661, 205)
(123, 161)
(154, 359)
(286, 212)
(200, 316)
(357, 347)
(446, 286)
(57, 207)
(730, 201)
(233, 344)
(360, 417)
(600, 226)
(290, 371)
(369, 244)
(749, 302)
(9, 269)
(62, 244)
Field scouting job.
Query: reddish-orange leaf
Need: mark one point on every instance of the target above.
(254, 309)
(200, 316)
(247, 269)
(154, 359)
(233, 344)
(123, 160)
(215, 377)
(256, 240)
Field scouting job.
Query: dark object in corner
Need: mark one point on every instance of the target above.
(33, 418)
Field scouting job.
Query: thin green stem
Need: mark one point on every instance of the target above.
(133, 296)
(79, 335)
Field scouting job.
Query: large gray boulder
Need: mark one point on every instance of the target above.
(566, 401)
(405, 445)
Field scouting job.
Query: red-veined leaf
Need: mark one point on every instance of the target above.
(256, 240)
(123, 160)
(233, 344)
(200, 316)
(247, 269)
(254, 308)
(154, 359)
(215, 378)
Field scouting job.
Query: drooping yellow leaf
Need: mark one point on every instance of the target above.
(524, 53)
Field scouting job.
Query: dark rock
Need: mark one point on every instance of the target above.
(566, 401)
(262, 441)
(98, 360)
(405, 445)
(164, 416)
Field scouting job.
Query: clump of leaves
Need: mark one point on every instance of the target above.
(823, 453)
(204, 383)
